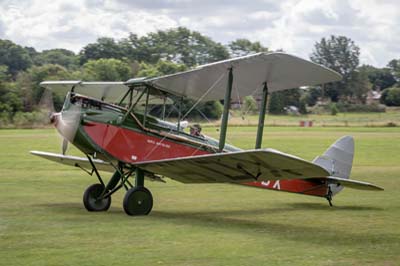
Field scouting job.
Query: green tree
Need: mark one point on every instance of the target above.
(380, 78)
(211, 109)
(342, 55)
(359, 86)
(179, 45)
(276, 103)
(394, 66)
(303, 106)
(109, 69)
(249, 105)
(280, 99)
(291, 97)
(160, 68)
(334, 109)
(10, 99)
(311, 95)
(4, 76)
(105, 48)
(391, 96)
(62, 57)
(28, 84)
(241, 47)
(15, 57)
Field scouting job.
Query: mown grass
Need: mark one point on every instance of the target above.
(43, 222)
(390, 118)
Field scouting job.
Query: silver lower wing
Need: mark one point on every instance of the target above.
(75, 161)
(236, 167)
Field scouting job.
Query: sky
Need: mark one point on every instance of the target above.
(291, 25)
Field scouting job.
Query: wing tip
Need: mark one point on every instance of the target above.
(378, 188)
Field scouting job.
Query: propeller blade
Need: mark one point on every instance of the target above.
(46, 105)
(68, 122)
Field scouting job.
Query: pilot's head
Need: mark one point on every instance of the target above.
(195, 130)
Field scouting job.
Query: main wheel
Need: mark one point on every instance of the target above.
(91, 199)
(138, 201)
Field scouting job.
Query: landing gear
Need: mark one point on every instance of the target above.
(329, 196)
(138, 201)
(93, 200)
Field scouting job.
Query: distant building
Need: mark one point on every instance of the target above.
(292, 110)
(373, 97)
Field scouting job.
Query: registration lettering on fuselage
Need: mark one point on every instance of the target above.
(276, 185)
(159, 143)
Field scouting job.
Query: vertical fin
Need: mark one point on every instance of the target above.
(338, 160)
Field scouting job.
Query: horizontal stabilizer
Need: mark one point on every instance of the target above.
(74, 161)
(352, 183)
(235, 167)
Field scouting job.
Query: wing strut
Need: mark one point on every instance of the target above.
(261, 116)
(227, 103)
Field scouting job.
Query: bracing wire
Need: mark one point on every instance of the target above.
(194, 107)
(187, 113)
(204, 95)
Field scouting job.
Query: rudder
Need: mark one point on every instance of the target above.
(338, 160)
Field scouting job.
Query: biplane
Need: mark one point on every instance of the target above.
(113, 125)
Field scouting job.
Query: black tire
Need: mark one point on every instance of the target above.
(138, 201)
(91, 201)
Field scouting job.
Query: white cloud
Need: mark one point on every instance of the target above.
(70, 25)
(291, 25)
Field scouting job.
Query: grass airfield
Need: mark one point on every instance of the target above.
(43, 221)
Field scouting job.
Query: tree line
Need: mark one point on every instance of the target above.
(171, 51)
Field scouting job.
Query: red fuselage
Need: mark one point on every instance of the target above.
(97, 130)
(133, 146)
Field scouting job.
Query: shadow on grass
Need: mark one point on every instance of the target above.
(320, 206)
(304, 206)
(253, 222)
(75, 208)
(246, 222)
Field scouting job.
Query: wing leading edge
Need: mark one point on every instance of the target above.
(75, 161)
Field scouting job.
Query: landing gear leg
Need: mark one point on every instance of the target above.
(138, 200)
(329, 196)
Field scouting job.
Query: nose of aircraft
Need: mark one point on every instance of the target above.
(54, 117)
(66, 123)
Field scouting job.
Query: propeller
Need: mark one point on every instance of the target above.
(46, 105)
(66, 122)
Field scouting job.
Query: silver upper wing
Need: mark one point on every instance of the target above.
(281, 71)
